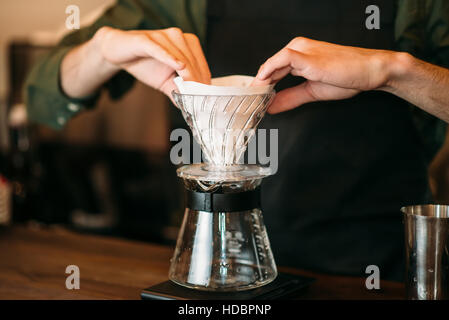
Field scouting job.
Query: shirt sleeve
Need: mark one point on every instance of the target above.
(45, 100)
(410, 27)
(437, 32)
(422, 29)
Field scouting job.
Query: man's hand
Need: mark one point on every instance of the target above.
(332, 72)
(151, 56)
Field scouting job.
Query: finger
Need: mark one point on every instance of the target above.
(291, 98)
(274, 78)
(195, 46)
(176, 37)
(302, 44)
(187, 73)
(284, 58)
(168, 87)
(279, 74)
(145, 47)
(309, 91)
(257, 82)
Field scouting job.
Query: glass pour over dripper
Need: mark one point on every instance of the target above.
(223, 244)
(223, 125)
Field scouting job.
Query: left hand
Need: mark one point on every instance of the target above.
(333, 72)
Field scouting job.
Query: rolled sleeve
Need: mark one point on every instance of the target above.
(45, 100)
(422, 29)
(438, 31)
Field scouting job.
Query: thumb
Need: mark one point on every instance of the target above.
(291, 98)
(168, 87)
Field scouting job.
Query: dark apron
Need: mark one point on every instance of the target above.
(345, 167)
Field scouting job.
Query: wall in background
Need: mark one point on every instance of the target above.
(128, 123)
(38, 20)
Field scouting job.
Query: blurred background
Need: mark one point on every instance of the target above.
(108, 170)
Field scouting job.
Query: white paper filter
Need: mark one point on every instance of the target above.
(223, 86)
(223, 115)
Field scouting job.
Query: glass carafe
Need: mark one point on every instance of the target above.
(222, 244)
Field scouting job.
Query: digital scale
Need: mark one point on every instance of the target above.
(285, 286)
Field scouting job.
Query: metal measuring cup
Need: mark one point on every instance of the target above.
(427, 251)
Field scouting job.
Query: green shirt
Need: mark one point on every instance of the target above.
(422, 28)
(47, 103)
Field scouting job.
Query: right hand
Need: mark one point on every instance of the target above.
(154, 56)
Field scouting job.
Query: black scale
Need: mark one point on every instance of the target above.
(283, 287)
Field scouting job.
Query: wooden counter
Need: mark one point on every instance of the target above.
(33, 262)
